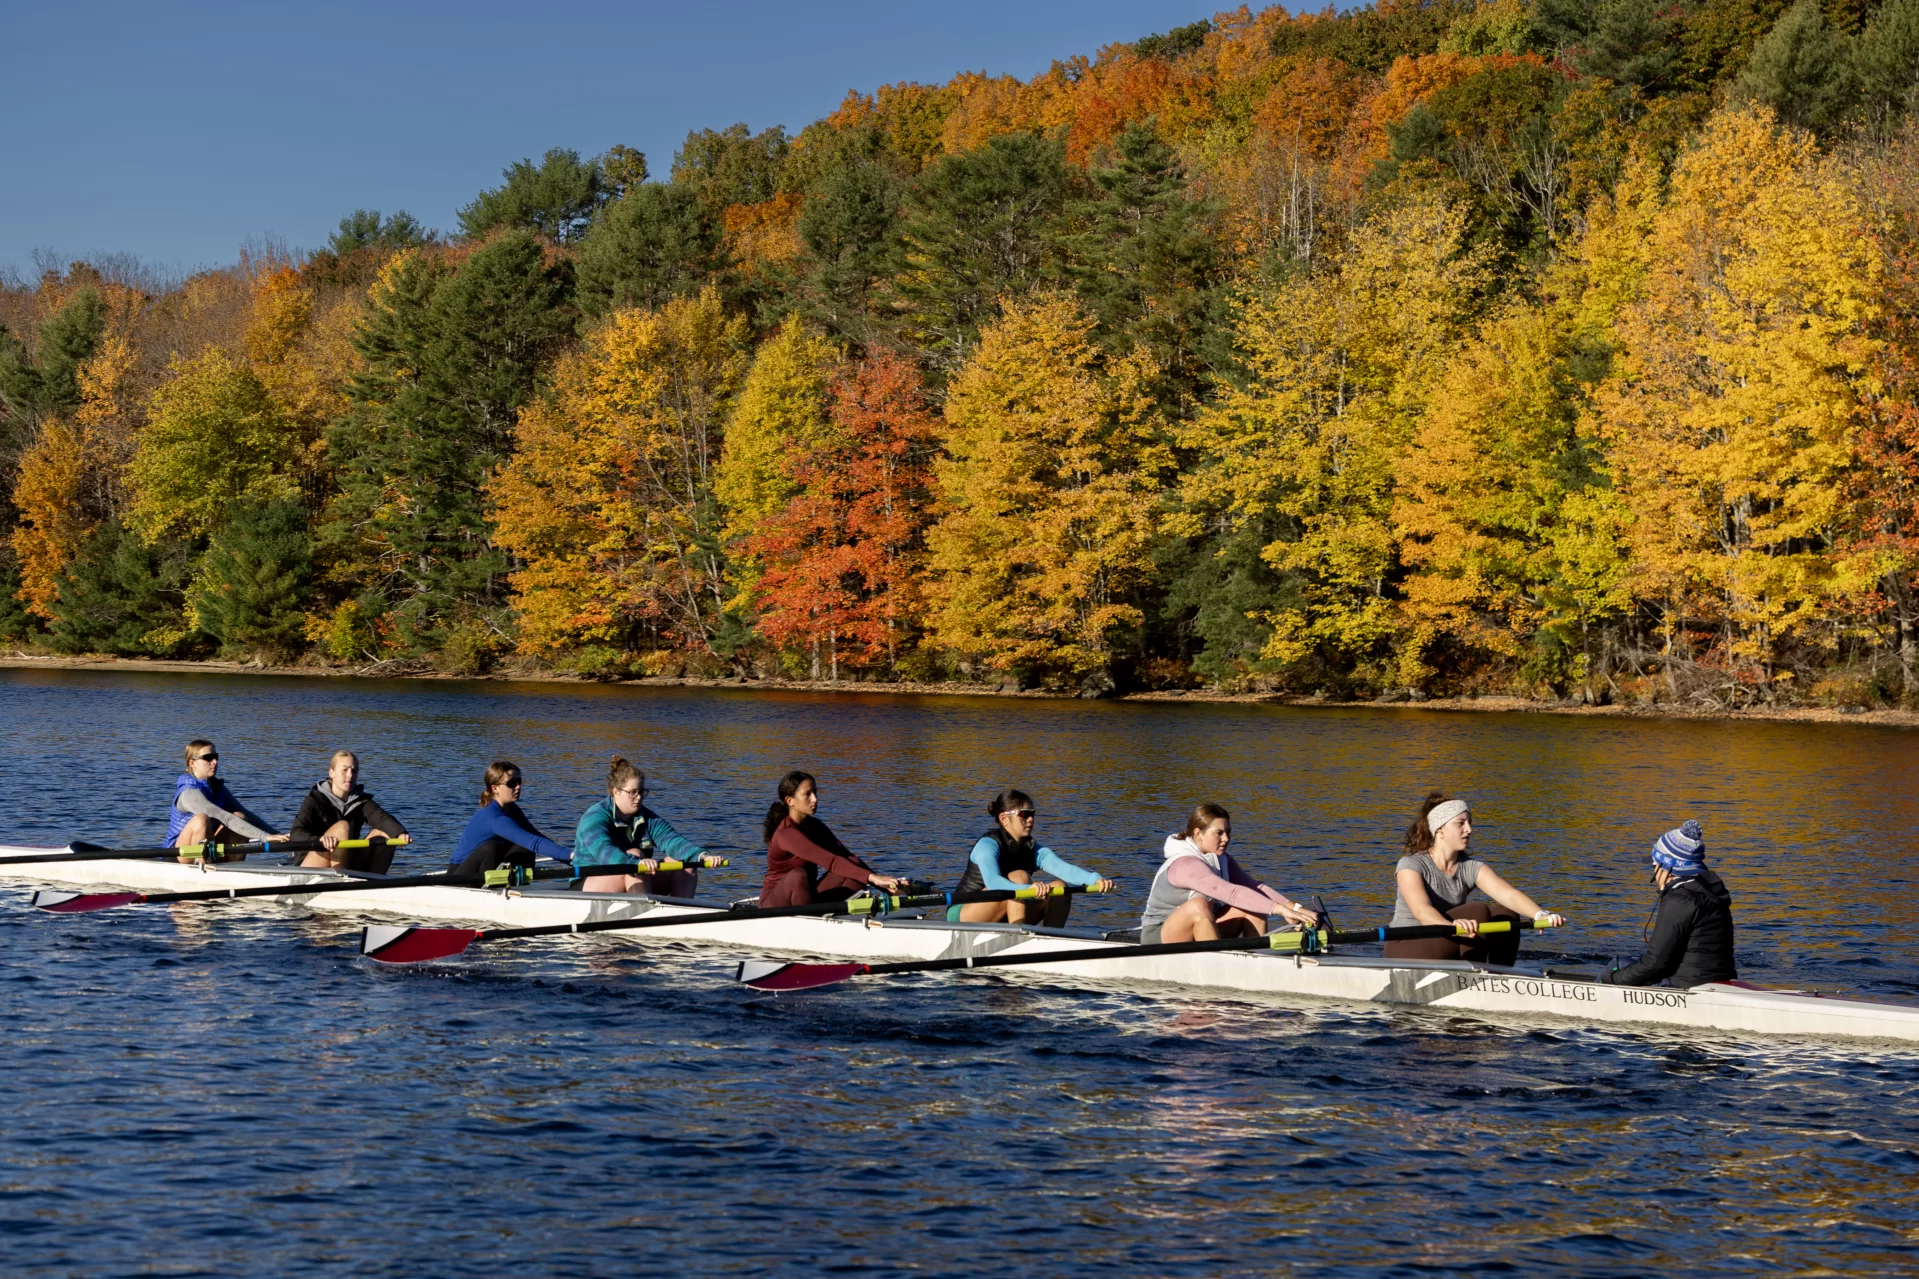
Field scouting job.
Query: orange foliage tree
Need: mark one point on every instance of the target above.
(842, 559)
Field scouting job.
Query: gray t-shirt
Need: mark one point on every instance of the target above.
(1445, 891)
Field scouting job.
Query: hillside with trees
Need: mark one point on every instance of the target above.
(1567, 348)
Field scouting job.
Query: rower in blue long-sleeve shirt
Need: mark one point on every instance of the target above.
(500, 834)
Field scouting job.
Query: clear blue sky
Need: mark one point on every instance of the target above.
(178, 131)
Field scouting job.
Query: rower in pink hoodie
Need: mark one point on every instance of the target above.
(1200, 892)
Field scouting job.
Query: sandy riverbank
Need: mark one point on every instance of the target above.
(1483, 705)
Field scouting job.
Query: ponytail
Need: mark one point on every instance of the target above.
(496, 772)
(1419, 836)
(789, 787)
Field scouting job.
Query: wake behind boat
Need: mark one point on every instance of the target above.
(1510, 991)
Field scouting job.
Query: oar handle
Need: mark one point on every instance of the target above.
(665, 865)
(219, 852)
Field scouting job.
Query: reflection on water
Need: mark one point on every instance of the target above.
(233, 1091)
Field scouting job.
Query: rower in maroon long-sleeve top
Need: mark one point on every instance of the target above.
(805, 862)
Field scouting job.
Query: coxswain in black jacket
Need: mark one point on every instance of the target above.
(324, 810)
(1692, 937)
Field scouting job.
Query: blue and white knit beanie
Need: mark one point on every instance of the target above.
(1682, 851)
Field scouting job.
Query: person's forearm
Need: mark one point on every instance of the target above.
(1058, 867)
(192, 801)
(669, 844)
(1195, 876)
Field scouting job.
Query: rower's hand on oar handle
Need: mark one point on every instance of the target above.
(1294, 913)
(1547, 919)
(886, 882)
(1466, 927)
(1099, 886)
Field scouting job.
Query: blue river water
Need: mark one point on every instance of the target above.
(232, 1090)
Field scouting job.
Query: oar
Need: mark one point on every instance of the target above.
(767, 975)
(403, 945)
(80, 903)
(85, 852)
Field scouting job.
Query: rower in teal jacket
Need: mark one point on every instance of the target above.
(620, 842)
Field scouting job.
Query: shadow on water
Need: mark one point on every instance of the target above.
(226, 1091)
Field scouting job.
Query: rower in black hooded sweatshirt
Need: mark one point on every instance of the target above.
(339, 808)
(1692, 935)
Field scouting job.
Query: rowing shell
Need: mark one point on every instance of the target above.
(1522, 992)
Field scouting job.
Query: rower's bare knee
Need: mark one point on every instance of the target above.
(609, 884)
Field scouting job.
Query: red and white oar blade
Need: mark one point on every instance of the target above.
(80, 903)
(401, 945)
(761, 974)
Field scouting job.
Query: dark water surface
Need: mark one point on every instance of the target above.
(217, 1090)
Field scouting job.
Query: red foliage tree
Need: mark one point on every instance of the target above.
(843, 558)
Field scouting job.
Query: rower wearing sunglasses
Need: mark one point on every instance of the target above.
(620, 842)
(204, 811)
(1007, 857)
(499, 834)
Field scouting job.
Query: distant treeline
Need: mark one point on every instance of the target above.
(1564, 347)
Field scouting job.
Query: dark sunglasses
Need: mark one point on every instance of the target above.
(1027, 813)
(201, 759)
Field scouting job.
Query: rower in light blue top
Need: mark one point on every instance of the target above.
(1006, 858)
(620, 842)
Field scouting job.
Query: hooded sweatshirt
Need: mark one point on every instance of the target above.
(321, 808)
(1186, 872)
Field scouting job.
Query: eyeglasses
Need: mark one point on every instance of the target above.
(206, 759)
(635, 792)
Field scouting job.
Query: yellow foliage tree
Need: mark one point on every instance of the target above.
(609, 499)
(781, 412)
(1050, 487)
(1341, 366)
(214, 436)
(65, 483)
(1734, 405)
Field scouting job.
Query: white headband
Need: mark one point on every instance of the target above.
(1443, 813)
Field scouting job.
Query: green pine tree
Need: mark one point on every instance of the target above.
(365, 228)
(451, 357)
(849, 230)
(654, 243)
(121, 596)
(1885, 58)
(253, 580)
(557, 198)
(977, 229)
(1802, 70)
(1146, 257)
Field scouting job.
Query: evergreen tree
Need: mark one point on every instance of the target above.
(652, 244)
(1885, 59)
(976, 230)
(1801, 70)
(1145, 256)
(47, 382)
(451, 359)
(120, 596)
(252, 582)
(364, 228)
(849, 228)
(557, 198)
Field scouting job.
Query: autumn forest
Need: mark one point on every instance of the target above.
(1567, 348)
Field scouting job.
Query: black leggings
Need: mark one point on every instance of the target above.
(492, 854)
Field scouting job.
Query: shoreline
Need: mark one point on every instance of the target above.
(1492, 704)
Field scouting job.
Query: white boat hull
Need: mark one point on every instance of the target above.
(1520, 993)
